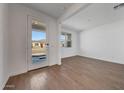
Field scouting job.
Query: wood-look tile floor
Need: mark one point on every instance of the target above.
(74, 73)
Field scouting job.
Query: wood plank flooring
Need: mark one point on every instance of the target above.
(79, 73)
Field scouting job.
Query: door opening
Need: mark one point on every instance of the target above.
(38, 50)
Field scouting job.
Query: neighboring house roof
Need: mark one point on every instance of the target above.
(38, 41)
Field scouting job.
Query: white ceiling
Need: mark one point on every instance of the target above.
(90, 17)
(93, 16)
(52, 9)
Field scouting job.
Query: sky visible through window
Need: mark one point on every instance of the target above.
(62, 37)
(36, 35)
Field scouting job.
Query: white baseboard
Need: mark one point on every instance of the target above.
(4, 83)
(69, 56)
(102, 59)
(18, 73)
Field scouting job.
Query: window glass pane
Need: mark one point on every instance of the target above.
(62, 38)
(65, 39)
(38, 46)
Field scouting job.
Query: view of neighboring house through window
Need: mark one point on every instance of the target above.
(65, 39)
(38, 46)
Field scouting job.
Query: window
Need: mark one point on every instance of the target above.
(36, 44)
(66, 39)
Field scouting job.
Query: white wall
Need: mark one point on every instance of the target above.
(18, 37)
(3, 44)
(105, 42)
(72, 51)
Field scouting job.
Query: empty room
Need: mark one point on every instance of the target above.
(62, 46)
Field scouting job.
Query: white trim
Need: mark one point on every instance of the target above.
(29, 67)
(59, 43)
(101, 59)
(4, 83)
